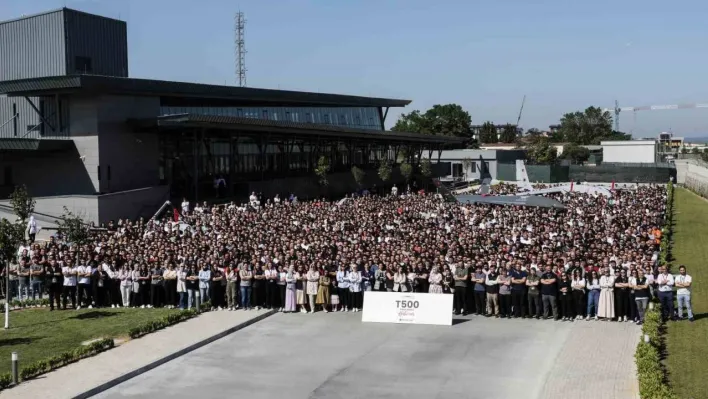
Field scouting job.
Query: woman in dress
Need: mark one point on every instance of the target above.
(290, 290)
(313, 279)
(356, 300)
(606, 307)
(300, 288)
(435, 281)
(323, 292)
(400, 280)
(447, 282)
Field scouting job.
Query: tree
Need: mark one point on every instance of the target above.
(322, 169)
(425, 168)
(443, 120)
(695, 150)
(385, 171)
(533, 132)
(576, 153)
(617, 136)
(508, 134)
(358, 175)
(542, 152)
(488, 133)
(73, 228)
(22, 203)
(406, 171)
(588, 127)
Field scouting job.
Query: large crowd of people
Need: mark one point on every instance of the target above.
(598, 259)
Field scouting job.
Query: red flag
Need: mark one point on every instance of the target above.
(175, 215)
(571, 185)
(613, 185)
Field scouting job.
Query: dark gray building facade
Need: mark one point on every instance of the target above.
(81, 134)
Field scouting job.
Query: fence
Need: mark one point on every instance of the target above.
(624, 173)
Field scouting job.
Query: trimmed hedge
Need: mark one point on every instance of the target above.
(166, 321)
(29, 303)
(650, 373)
(44, 366)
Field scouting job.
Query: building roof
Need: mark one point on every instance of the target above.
(146, 87)
(285, 128)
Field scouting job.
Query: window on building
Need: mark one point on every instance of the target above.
(457, 170)
(357, 120)
(265, 114)
(473, 167)
(108, 173)
(7, 177)
(326, 118)
(239, 112)
(98, 171)
(83, 64)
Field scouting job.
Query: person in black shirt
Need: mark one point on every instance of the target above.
(55, 282)
(549, 291)
(641, 295)
(622, 296)
(566, 297)
(518, 291)
(492, 286)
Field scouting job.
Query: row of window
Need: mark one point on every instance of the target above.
(356, 117)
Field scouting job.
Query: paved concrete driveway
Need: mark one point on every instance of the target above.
(337, 356)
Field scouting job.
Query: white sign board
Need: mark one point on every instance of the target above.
(410, 308)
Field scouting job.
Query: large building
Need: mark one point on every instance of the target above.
(78, 132)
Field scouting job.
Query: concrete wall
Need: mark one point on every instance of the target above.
(693, 174)
(132, 204)
(132, 158)
(53, 207)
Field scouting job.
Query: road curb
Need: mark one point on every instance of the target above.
(127, 376)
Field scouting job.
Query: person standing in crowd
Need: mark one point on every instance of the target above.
(231, 288)
(665, 281)
(435, 281)
(683, 291)
(460, 299)
(182, 286)
(399, 280)
(343, 288)
(246, 277)
(447, 282)
(156, 286)
(32, 229)
(354, 278)
(641, 294)
(101, 295)
(204, 283)
(578, 287)
(271, 286)
(55, 282)
(479, 290)
(594, 288)
(290, 291)
(566, 297)
(84, 275)
(169, 277)
(70, 274)
(282, 286)
(323, 294)
(380, 279)
(192, 285)
(216, 290)
(622, 296)
(549, 292)
(534, 294)
(518, 291)
(492, 286)
(505, 292)
(258, 286)
(312, 277)
(36, 277)
(126, 284)
(606, 305)
(301, 288)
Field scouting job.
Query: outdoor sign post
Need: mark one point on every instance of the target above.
(15, 368)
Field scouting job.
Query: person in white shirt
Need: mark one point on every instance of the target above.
(69, 289)
(356, 296)
(683, 291)
(606, 306)
(185, 206)
(394, 190)
(84, 290)
(665, 281)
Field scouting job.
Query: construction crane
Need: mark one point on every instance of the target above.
(523, 101)
(617, 109)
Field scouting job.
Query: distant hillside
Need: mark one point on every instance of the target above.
(697, 140)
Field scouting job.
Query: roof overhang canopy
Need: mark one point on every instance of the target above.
(19, 144)
(94, 84)
(294, 129)
(516, 200)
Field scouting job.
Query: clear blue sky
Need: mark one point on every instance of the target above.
(484, 55)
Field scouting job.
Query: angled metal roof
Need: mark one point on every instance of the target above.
(146, 87)
(19, 144)
(286, 128)
(516, 200)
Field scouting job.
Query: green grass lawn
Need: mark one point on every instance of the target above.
(687, 343)
(37, 334)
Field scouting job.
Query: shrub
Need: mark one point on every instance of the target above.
(166, 321)
(5, 380)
